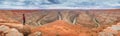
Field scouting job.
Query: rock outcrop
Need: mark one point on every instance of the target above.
(35, 34)
(13, 32)
(7, 31)
(111, 30)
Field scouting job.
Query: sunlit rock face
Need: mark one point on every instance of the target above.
(59, 4)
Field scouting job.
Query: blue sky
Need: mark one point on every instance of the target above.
(59, 4)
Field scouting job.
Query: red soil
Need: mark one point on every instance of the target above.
(62, 28)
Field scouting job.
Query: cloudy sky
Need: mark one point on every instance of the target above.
(59, 4)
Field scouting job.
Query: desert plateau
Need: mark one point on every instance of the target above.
(60, 22)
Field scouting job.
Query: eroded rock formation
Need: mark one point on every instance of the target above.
(59, 22)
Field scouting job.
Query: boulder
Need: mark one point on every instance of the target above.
(14, 32)
(36, 34)
(115, 27)
(4, 28)
(109, 30)
(105, 34)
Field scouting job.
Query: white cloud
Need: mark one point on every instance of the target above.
(64, 4)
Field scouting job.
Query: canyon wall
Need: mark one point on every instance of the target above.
(86, 18)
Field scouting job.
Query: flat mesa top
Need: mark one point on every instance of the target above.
(59, 4)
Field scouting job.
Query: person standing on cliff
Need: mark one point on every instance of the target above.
(24, 19)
